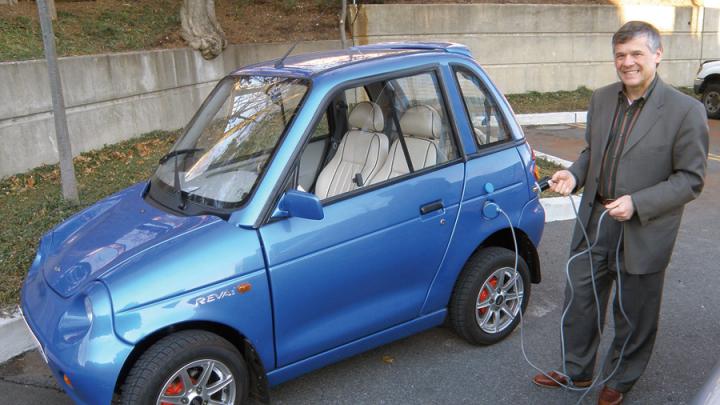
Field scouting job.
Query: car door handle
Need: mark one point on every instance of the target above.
(433, 206)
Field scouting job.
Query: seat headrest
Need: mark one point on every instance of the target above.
(421, 121)
(367, 116)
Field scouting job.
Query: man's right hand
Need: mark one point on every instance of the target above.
(562, 182)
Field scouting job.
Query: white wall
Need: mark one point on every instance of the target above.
(546, 47)
(524, 47)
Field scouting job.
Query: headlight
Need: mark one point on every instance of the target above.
(76, 321)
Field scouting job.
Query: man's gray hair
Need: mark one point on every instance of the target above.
(633, 29)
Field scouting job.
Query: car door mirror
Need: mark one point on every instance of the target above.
(299, 204)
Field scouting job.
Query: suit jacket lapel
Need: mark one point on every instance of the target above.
(649, 115)
(606, 116)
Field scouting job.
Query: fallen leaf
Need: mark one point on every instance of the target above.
(388, 359)
(142, 149)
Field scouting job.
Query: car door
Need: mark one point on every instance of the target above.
(496, 161)
(368, 264)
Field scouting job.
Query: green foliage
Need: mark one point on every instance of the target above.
(31, 203)
(330, 4)
(534, 102)
(128, 28)
(288, 5)
(577, 100)
(21, 39)
(547, 168)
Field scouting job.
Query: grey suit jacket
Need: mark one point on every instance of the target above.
(662, 167)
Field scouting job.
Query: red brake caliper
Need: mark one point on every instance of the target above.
(176, 388)
(484, 294)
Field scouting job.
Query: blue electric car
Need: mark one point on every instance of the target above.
(316, 206)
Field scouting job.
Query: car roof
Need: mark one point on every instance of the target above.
(316, 63)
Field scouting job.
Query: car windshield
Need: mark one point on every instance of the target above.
(224, 150)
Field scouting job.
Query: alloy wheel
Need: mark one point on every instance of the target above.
(499, 300)
(202, 382)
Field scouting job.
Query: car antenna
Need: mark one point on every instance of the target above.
(279, 63)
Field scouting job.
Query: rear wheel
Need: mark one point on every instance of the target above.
(189, 367)
(711, 100)
(489, 295)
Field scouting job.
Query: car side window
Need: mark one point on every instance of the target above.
(423, 116)
(313, 155)
(487, 123)
(322, 130)
(355, 95)
(366, 146)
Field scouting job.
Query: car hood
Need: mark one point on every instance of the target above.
(107, 234)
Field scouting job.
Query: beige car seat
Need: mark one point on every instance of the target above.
(421, 128)
(361, 153)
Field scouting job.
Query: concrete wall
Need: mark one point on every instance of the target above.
(112, 97)
(524, 47)
(546, 47)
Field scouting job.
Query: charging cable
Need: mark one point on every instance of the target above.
(490, 210)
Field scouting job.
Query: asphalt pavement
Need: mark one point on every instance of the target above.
(437, 367)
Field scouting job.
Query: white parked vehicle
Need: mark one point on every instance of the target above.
(707, 83)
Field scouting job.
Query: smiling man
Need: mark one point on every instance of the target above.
(645, 158)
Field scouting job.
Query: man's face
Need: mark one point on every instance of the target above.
(636, 63)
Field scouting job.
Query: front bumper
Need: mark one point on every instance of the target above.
(91, 362)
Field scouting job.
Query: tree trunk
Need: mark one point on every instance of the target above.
(200, 28)
(343, 16)
(52, 10)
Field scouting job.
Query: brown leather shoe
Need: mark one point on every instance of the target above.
(609, 396)
(542, 380)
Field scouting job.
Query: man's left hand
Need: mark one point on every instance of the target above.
(621, 209)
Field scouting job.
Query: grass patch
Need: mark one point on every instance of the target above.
(80, 29)
(535, 102)
(100, 26)
(577, 100)
(31, 203)
(547, 168)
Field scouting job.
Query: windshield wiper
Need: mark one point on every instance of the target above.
(178, 152)
(176, 180)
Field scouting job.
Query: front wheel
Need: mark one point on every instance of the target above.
(190, 367)
(711, 100)
(489, 295)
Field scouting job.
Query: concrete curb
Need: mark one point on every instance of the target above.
(559, 208)
(553, 118)
(562, 162)
(15, 338)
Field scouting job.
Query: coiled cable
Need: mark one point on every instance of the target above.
(618, 291)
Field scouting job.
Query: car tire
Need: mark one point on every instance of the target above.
(711, 100)
(482, 313)
(187, 358)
